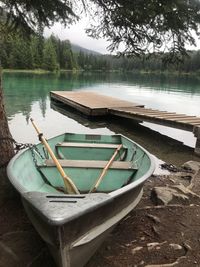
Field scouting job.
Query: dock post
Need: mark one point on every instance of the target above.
(196, 131)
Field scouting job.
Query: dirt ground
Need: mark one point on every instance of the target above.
(152, 235)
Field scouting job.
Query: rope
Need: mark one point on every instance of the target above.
(173, 168)
(18, 146)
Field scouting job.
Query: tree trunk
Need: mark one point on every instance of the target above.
(6, 149)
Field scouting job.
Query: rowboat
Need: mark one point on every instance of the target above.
(74, 225)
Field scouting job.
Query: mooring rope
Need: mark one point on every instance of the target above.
(173, 168)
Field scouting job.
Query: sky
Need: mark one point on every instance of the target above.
(76, 34)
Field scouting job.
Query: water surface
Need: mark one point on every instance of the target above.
(27, 95)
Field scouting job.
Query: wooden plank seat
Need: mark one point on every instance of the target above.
(89, 151)
(96, 164)
(87, 145)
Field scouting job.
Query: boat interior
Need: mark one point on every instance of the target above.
(83, 158)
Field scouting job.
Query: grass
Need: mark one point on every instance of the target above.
(36, 71)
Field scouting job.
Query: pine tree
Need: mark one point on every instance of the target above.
(49, 56)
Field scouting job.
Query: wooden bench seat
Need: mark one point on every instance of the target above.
(87, 145)
(91, 164)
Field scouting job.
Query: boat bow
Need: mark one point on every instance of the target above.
(59, 209)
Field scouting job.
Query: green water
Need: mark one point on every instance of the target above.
(27, 95)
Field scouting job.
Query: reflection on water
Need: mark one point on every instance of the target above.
(159, 145)
(22, 90)
(27, 95)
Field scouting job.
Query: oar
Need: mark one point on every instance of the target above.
(69, 185)
(98, 181)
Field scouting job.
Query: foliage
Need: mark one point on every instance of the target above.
(28, 14)
(49, 56)
(148, 26)
(52, 54)
(132, 26)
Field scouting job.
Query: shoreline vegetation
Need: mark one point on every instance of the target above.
(141, 72)
(41, 55)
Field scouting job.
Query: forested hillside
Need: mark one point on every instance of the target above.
(52, 54)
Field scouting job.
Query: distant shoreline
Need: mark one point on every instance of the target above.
(42, 71)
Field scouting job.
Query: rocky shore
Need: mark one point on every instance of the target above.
(163, 231)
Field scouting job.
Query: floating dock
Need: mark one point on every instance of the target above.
(93, 105)
(89, 103)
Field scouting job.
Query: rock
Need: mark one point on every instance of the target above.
(164, 195)
(185, 190)
(153, 245)
(192, 165)
(135, 250)
(141, 263)
(161, 195)
(187, 247)
(176, 246)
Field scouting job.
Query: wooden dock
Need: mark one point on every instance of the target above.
(171, 119)
(89, 103)
(94, 105)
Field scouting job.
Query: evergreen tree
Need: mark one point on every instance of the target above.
(49, 56)
(37, 60)
(40, 44)
(81, 59)
(37, 47)
(20, 55)
(66, 56)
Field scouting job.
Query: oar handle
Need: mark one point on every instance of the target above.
(69, 185)
(34, 125)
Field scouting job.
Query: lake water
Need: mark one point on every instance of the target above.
(27, 95)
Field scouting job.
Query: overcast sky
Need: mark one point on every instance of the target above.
(76, 34)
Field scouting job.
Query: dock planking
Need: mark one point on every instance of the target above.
(171, 119)
(93, 105)
(90, 103)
